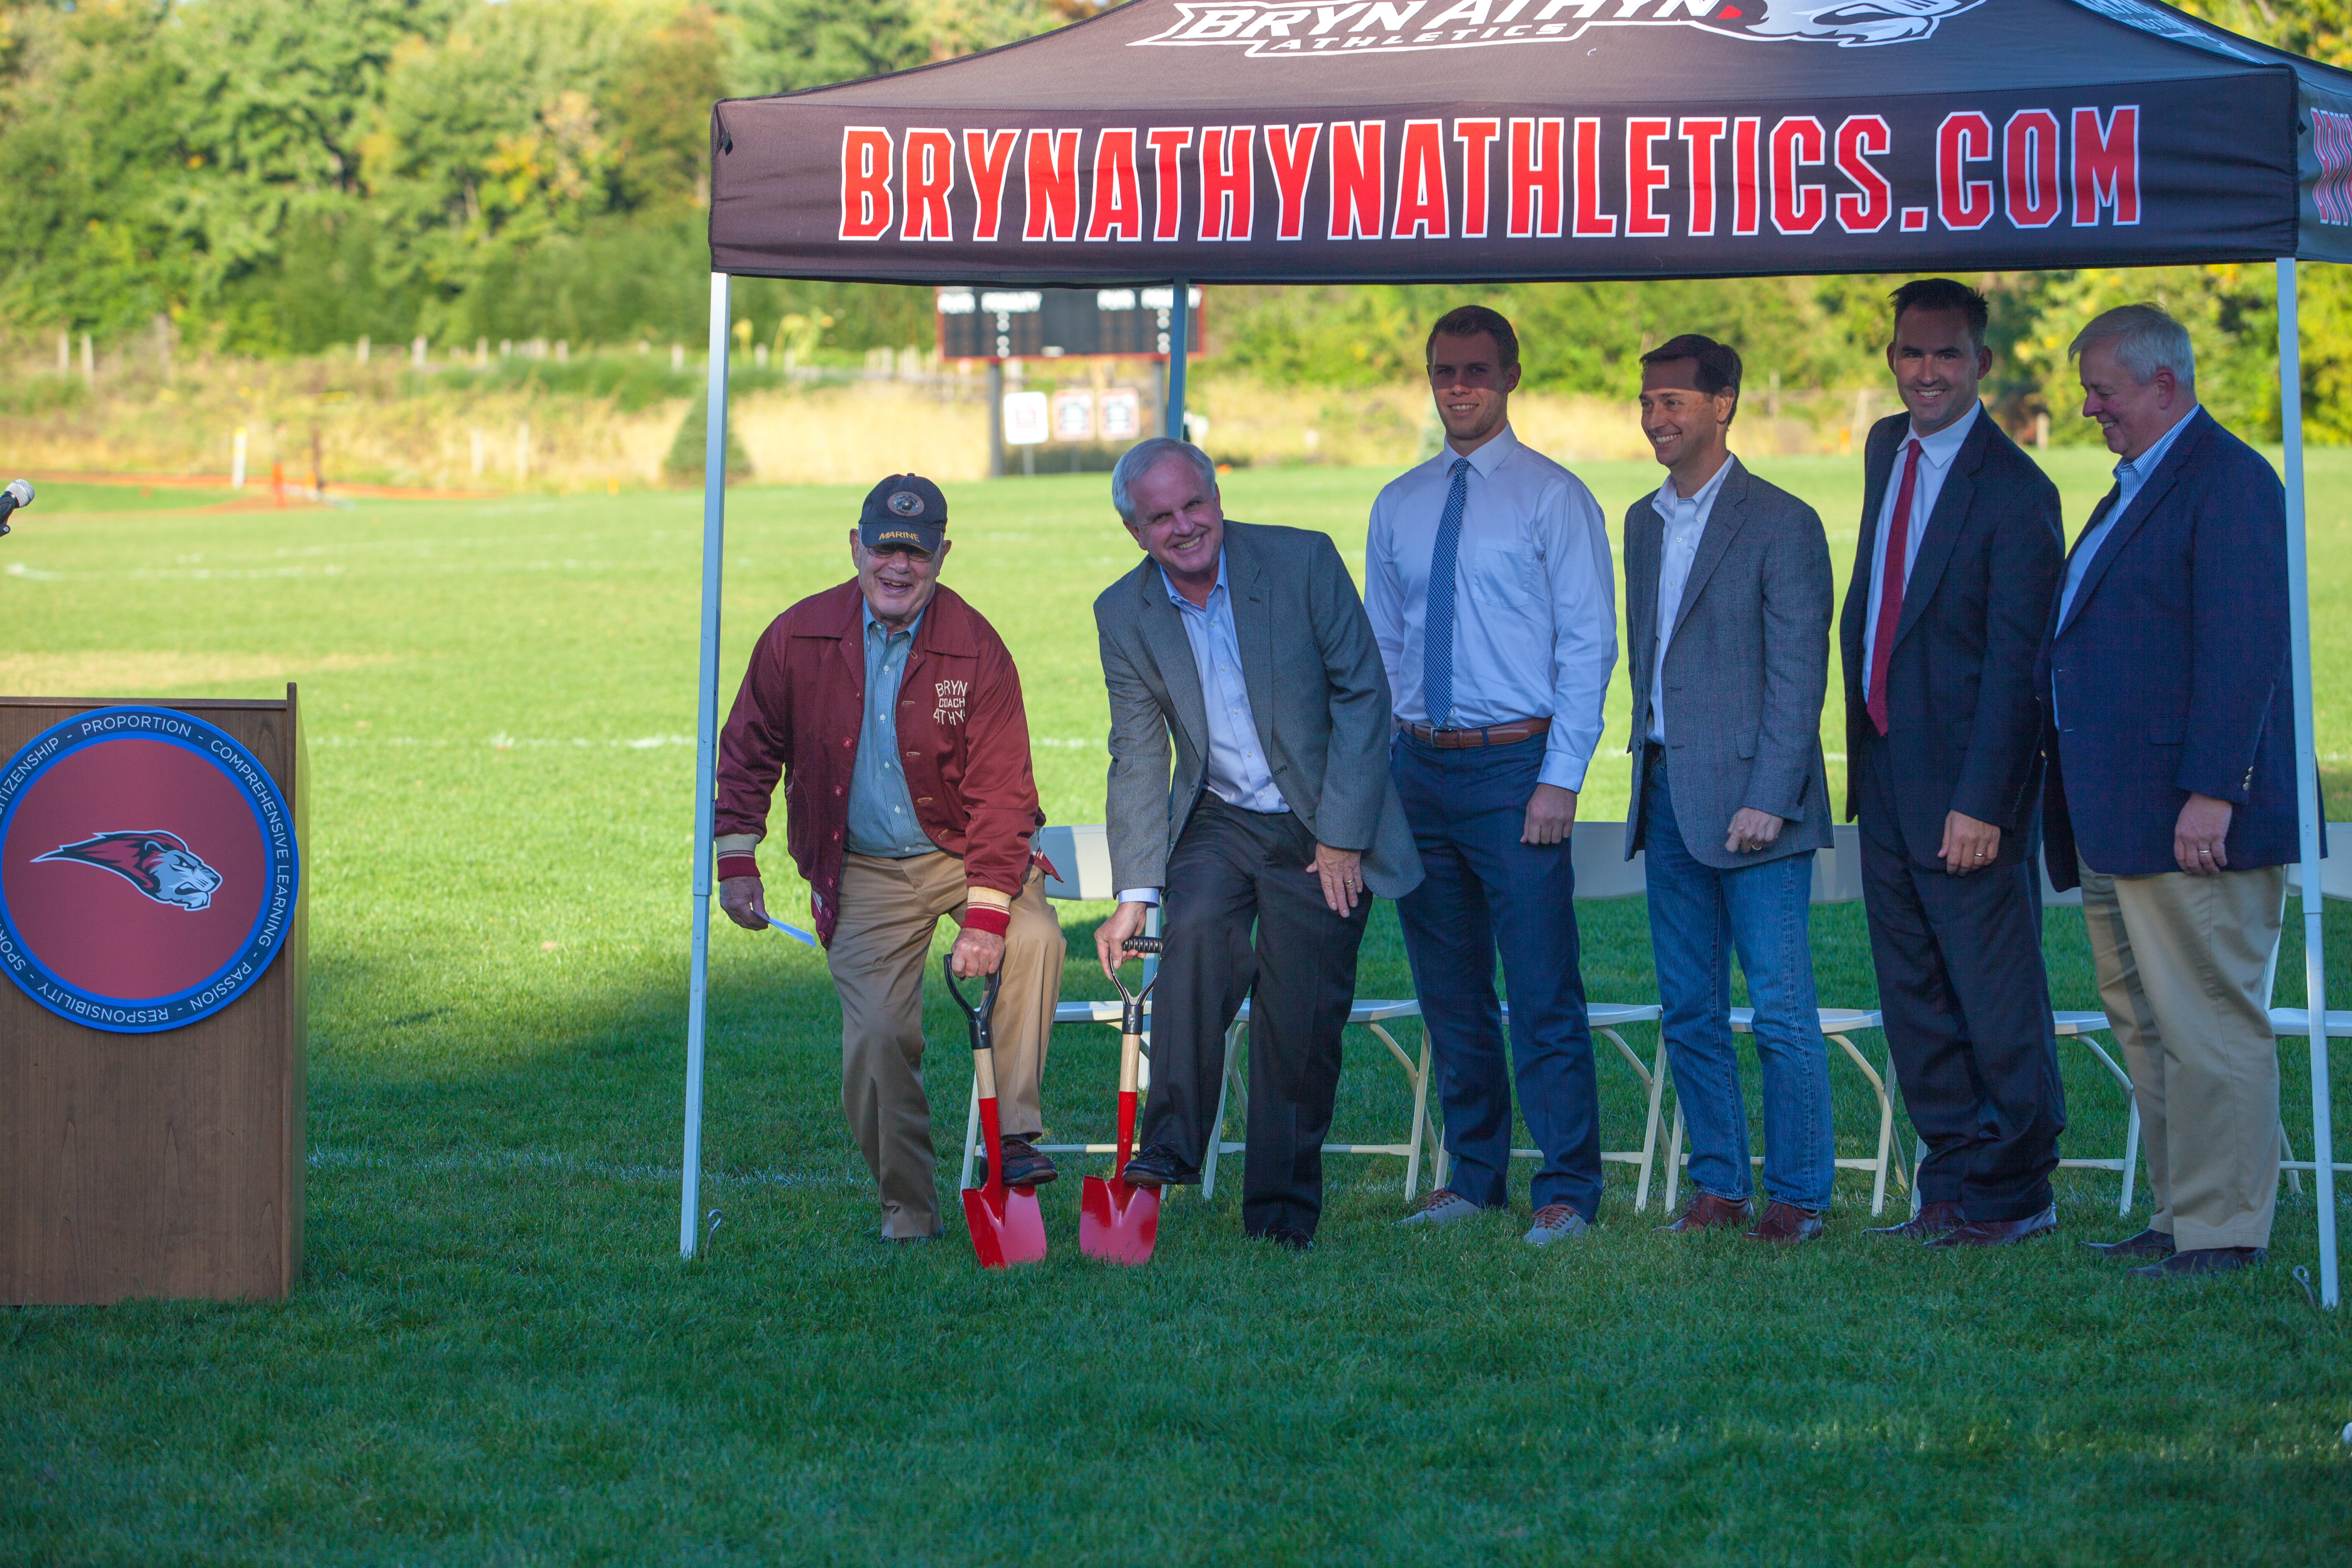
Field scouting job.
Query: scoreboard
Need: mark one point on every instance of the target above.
(1053, 324)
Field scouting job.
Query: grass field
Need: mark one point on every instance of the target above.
(496, 1356)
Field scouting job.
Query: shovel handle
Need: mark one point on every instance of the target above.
(977, 1014)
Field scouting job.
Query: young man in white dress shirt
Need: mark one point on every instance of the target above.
(1490, 588)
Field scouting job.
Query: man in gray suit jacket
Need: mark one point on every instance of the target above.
(1246, 648)
(1727, 603)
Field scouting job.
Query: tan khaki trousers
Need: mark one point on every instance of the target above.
(2181, 963)
(879, 959)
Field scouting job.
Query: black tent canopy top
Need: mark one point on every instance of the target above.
(1362, 141)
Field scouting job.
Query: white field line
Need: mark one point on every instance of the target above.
(502, 741)
(246, 573)
(549, 1161)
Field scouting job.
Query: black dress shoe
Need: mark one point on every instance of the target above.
(1024, 1166)
(2202, 1260)
(2146, 1244)
(1283, 1236)
(1999, 1232)
(1159, 1166)
(1932, 1221)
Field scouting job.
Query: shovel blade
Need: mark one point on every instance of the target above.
(1005, 1224)
(1117, 1223)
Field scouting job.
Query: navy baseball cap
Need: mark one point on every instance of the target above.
(904, 510)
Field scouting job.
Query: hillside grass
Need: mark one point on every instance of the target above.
(495, 1356)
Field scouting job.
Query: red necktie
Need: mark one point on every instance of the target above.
(1890, 587)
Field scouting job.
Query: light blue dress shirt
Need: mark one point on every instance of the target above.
(2130, 478)
(1237, 770)
(882, 819)
(1535, 607)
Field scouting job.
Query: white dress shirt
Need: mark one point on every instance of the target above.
(1935, 455)
(1236, 769)
(1686, 518)
(1535, 602)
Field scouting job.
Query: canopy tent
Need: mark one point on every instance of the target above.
(1482, 140)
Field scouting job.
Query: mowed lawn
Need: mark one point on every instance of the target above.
(495, 1354)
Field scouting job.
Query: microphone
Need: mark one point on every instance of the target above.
(18, 493)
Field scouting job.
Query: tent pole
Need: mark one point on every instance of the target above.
(2307, 771)
(706, 756)
(1180, 338)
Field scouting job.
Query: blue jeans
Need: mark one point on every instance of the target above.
(1482, 892)
(1698, 915)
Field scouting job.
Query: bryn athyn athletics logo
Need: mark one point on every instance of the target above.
(147, 869)
(1273, 29)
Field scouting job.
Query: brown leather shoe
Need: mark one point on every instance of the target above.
(2000, 1232)
(1932, 1220)
(2146, 1244)
(1705, 1211)
(1785, 1224)
(2202, 1260)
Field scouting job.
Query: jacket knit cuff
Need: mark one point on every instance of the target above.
(732, 866)
(987, 909)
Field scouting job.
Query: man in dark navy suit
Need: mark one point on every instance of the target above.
(2171, 793)
(1952, 584)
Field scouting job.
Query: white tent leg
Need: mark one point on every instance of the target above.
(706, 758)
(2307, 771)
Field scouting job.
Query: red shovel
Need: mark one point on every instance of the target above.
(1005, 1225)
(1117, 1222)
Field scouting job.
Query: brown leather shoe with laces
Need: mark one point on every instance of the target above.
(1932, 1220)
(1785, 1224)
(1705, 1211)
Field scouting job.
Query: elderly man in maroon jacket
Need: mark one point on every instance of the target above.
(893, 712)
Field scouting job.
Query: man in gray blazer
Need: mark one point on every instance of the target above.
(1247, 649)
(1728, 605)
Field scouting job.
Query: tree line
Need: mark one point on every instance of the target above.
(278, 177)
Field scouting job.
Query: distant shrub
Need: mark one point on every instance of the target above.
(687, 454)
(42, 394)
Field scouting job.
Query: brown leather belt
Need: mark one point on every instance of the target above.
(1508, 734)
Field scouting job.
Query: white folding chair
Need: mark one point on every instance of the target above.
(1368, 1013)
(1605, 1017)
(1079, 862)
(2082, 1027)
(1603, 872)
(1838, 1024)
(2294, 1023)
(1079, 858)
(1837, 880)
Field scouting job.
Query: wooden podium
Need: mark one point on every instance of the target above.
(164, 1164)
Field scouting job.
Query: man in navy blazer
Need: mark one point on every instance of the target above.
(2170, 795)
(1952, 584)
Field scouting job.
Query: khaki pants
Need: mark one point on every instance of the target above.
(879, 959)
(2181, 963)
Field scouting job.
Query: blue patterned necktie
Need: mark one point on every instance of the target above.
(1437, 642)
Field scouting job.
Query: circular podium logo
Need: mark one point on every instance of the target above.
(147, 869)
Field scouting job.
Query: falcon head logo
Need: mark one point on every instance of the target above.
(1849, 23)
(158, 865)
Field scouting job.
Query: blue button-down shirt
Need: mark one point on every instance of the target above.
(1237, 770)
(2131, 478)
(882, 819)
